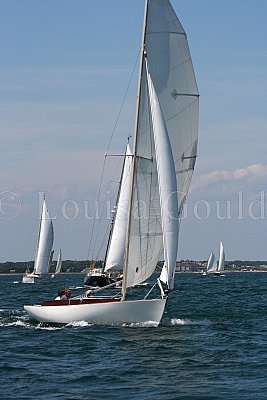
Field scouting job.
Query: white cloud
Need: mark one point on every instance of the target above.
(251, 173)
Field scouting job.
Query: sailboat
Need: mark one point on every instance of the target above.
(216, 268)
(164, 155)
(59, 263)
(44, 248)
(114, 259)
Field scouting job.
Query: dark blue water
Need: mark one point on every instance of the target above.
(212, 345)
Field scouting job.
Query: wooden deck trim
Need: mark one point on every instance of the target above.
(93, 300)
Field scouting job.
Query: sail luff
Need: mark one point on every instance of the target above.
(124, 282)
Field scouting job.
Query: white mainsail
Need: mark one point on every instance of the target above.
(59, 263)
(221, 259)
(171, 71)
(116, 250)
(45, 243)
(211, 266)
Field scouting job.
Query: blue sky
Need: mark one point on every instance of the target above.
(64, 69)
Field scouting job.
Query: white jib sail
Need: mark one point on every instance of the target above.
(211, 266)
(59, 262)
(45, 243)
(116, 251)
(167, 186)
(221, 259)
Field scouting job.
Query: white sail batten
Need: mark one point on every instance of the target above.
(172, 74)
(167, 186)
(221, 259)
(59, 263)
(116, 251)
(45, 243)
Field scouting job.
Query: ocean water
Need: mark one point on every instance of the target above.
(211, 345)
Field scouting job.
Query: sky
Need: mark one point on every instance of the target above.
(64, 69)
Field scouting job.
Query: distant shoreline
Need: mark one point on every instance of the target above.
(180, 272)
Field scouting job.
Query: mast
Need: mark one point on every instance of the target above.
(123, 292)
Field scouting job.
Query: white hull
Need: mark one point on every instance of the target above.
(117, 313)
(30, 278)
(218, 274)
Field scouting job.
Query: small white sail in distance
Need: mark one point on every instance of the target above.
(45, 243)
(167, 187)
(221, 259)
(59, 263)
(116, 251)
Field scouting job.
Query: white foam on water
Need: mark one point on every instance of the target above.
(147, 324)
(48, 328)
(185, 322)
(19, 322)
(79, 324)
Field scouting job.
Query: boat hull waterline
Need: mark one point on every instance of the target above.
(110, 313)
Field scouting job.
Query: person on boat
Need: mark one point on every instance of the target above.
(60, 293)
(68, 293)
(64, 295)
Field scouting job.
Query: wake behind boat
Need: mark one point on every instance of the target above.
(163, 160)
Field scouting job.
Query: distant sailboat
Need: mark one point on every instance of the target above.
(164, 155)
(58, 266)
(210, 264)
(44, 248)
(216, 268)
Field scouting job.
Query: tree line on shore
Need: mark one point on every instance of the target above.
(67, 266)
(72, 266)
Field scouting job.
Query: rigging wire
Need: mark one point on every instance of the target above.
(104, 165)
(123, 101)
